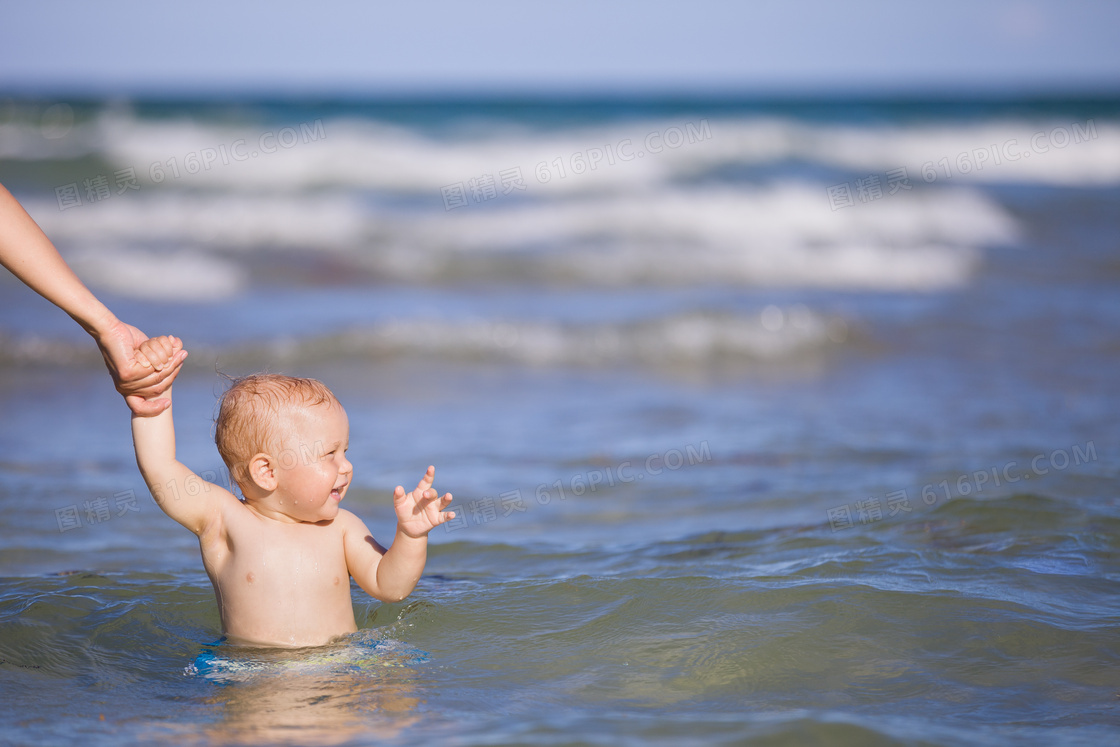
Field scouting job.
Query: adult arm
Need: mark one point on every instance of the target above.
(29, 255)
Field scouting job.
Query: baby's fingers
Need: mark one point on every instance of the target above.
(433, 509)
(156, 352)
(426, 480)
(167, 349)
(441, 515)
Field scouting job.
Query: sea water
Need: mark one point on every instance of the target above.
(767, 422)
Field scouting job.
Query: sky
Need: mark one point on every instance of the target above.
(580, 46)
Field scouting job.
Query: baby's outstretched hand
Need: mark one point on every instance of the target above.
(420, 511)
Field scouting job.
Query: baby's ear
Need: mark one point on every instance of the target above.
(262, 472)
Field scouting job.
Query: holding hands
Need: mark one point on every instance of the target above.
(419, 511)
(142, 368)
(29, 255)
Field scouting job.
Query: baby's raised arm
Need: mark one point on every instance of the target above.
(183, 495)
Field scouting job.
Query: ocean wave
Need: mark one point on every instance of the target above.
(181, 275)
(373, 154)
(783, 213)
(208, 219)
(775, 333)
(1060, 152)
(698, 337)
(25, 349)
(369, 154)
(783, 234)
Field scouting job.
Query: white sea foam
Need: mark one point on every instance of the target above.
(228, 220)
(1065, 152)
(784, 213)
(21, 141)
(38, 350)
(352, 152)
(697, 338)
(637, 222)
(182, 275)
(368, 154)
(689, 338)
(783, 234)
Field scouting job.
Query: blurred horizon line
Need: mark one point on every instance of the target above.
(487, 95)
(1100, 90)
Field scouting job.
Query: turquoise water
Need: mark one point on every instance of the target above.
(732, 466)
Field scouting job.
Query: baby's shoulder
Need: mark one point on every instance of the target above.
(347, 520)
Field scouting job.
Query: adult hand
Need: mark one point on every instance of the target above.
(134, 375)
(29, 255)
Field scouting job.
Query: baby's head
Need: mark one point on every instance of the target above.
(256, 415)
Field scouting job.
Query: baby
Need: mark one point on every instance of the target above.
(281, 559)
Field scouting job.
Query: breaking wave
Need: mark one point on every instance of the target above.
(368, 153)
(782, 235)
(698, 338)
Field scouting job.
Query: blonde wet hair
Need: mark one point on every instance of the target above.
(250, 411)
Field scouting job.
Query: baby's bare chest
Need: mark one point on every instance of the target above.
(301, 557)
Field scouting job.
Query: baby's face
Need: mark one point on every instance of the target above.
(313, 473)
